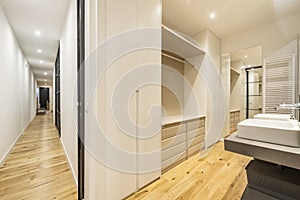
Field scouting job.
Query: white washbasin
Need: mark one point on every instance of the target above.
(281, 117)
(273, 131)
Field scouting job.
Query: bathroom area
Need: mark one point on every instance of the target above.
(269, 131)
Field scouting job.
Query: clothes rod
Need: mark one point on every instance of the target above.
(174, 58)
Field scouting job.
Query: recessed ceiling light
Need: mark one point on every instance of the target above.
(39, 51)
(37, 33)
(45, 80)
(246, 56)
(41, 61)
(45, 73)
(212, 15)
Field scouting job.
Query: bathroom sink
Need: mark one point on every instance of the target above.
(273, 131)
(281, 117)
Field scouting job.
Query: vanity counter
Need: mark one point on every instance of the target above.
(279, 154)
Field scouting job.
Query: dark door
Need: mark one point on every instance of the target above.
(57, 93)
(44, 97)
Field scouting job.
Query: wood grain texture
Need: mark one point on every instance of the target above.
(37, 167)
(220, 175)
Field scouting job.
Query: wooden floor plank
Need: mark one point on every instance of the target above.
(220, 175)
(37, 167)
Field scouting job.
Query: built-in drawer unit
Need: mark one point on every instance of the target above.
(234, 120)
(181, 140)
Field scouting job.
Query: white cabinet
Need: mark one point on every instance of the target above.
(124, 117)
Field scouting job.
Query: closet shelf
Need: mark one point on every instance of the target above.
(179, 44)
(178, 118)
(234, 72)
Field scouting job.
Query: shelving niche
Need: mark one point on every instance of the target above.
(183, 129)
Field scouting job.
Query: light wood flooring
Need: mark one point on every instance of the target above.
(219, 175)
(37, 167)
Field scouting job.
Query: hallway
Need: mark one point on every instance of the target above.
(37, 167)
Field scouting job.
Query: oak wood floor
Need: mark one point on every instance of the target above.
(37, 167)
(219, 175)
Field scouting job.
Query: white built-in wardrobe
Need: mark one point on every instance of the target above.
(123, 95)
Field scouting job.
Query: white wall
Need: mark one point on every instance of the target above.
(237, 89)
(211, 43)
(68, 64)
(210, 68)
(225, 71)
(17, 89)
(172, 72)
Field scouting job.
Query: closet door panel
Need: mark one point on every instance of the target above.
(149, 96)
(149, 166)
(121, 16)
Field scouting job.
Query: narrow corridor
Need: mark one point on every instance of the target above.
(37, 167)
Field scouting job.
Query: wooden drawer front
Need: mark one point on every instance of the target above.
(195, 149)
(192, 142)
(172, 130)
(173, 141)
(172, 151)
(172, 162)
(195, 124)
(195, 133)
(231, 116)
(232, 124)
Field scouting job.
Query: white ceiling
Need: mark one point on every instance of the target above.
(187, 16)
(232, 16)
(47, 16)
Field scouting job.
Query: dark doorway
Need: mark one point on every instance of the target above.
(44, 97)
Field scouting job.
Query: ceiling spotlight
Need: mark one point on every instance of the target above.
(45, 73)
(212, 15)
(37, 33)
(246, 56)
(41, 61)
(39, 51)
(45, 80)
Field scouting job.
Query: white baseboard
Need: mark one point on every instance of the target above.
(70, 163)
(2, 161)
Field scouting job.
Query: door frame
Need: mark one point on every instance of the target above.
(247, 88)
(80, 94)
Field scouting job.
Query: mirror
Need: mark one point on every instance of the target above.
(245, 85)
